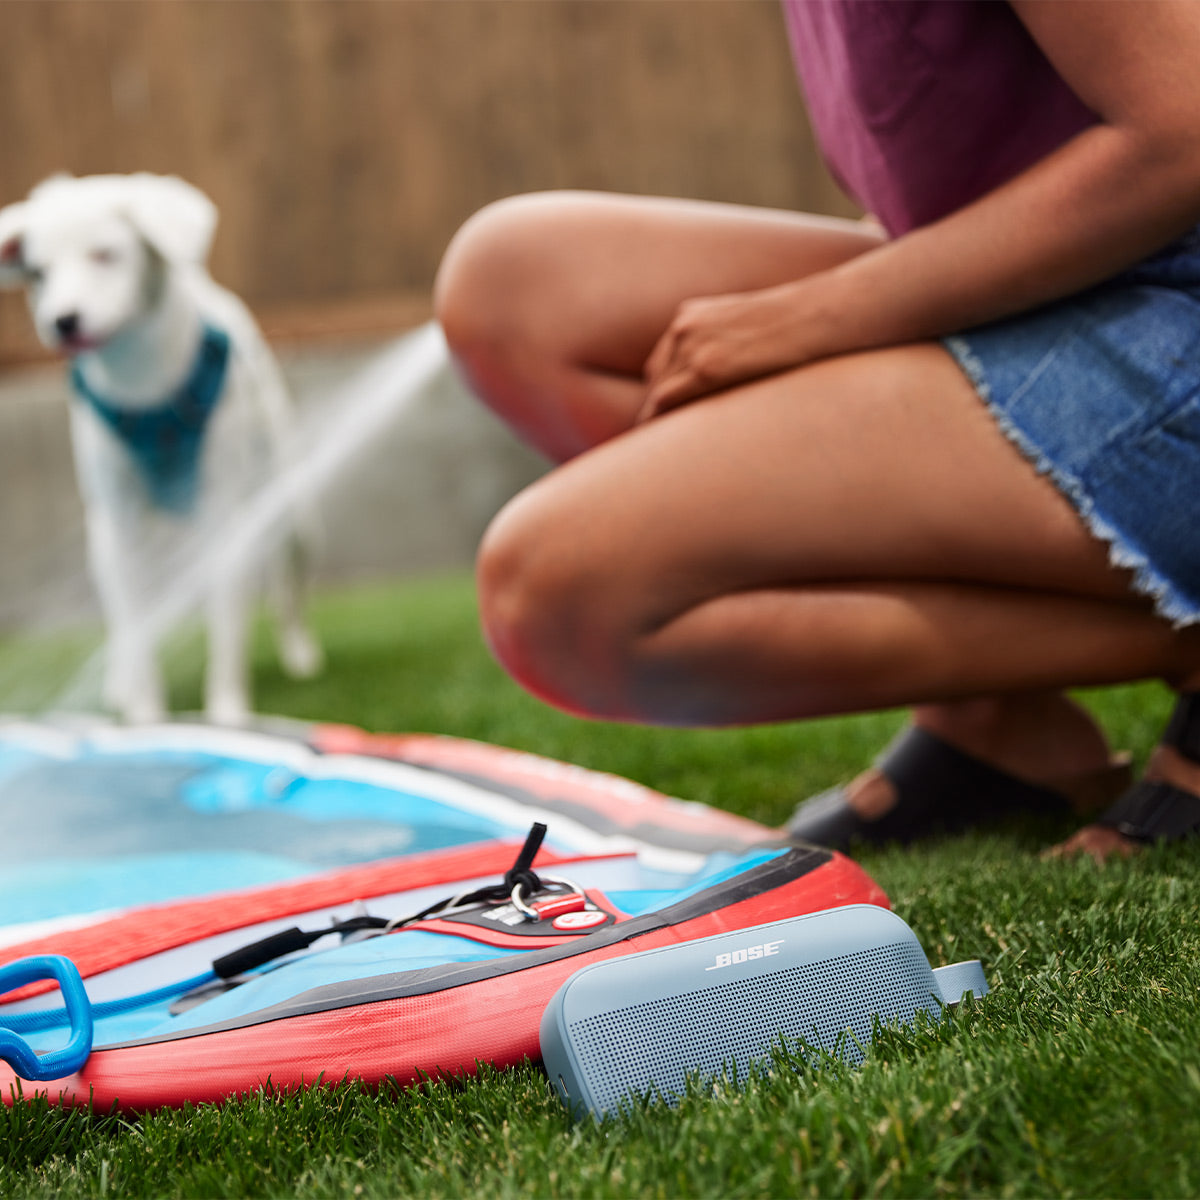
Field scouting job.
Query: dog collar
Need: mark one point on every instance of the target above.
(165, 440)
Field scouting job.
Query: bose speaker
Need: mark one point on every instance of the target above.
(645, 1022)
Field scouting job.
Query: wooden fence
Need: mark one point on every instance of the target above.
(346, 140)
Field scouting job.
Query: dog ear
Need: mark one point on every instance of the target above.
(13, 220)
(177, 219)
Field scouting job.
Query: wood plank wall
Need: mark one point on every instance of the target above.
(346, 140)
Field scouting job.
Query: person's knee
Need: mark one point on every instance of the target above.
(547, 614)
(490, 264)
(466, 289)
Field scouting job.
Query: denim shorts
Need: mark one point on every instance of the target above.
(1101, 392)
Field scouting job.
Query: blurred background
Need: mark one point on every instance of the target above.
(344, 142)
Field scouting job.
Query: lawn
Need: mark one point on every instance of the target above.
(1078, 1076)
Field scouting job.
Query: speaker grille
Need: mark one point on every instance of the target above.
(659, 1042)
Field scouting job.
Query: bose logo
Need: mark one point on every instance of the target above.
(748, 954)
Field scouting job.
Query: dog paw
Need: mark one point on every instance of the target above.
(136, 703)
(148, 713)
(301, 654)
(138, 709)
(228, 710)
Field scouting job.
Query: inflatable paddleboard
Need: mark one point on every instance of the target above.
(291, 908)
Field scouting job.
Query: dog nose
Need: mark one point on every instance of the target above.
(67, 325)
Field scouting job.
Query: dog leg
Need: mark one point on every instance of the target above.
(227, 683)
(133, 684)
(299, 651)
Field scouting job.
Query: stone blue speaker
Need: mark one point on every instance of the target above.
(645, 1022)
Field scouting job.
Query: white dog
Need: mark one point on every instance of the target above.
(179, 411)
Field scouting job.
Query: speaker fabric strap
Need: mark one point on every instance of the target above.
(960, 979)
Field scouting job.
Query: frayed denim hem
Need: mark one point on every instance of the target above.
(1169, 603)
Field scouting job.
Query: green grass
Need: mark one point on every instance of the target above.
(1078, 1076)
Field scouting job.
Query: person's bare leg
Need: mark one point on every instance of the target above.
(1101, 841)
(1033, 734)
(851, 536)
(552, 302)
(552, 305)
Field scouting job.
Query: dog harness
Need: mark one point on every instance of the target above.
(165, 440)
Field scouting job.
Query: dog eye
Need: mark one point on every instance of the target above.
(34, 275)
(104, 256)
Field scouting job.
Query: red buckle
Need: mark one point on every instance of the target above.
(555, 906)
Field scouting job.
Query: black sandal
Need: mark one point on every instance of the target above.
(941, 789)
(1153, 810)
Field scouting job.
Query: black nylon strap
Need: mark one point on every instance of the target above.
(920, 763)
(1183, 729)
(521, 871)
(286, 941)
(1152, 809)
(495, 893)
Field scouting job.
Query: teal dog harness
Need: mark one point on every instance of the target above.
(166, 440)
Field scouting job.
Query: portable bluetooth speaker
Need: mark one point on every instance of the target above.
(645, 1022)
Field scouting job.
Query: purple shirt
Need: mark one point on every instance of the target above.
(920, 106)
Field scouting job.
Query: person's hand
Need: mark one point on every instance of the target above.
(718, 341)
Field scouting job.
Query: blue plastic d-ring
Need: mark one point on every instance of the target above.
(16, 1051)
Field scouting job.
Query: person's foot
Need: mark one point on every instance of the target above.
(962, 765)
(1102, 842)
(1042, 738)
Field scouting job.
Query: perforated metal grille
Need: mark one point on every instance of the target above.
(658, 1043)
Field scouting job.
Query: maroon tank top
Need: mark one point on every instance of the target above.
(920, 106)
